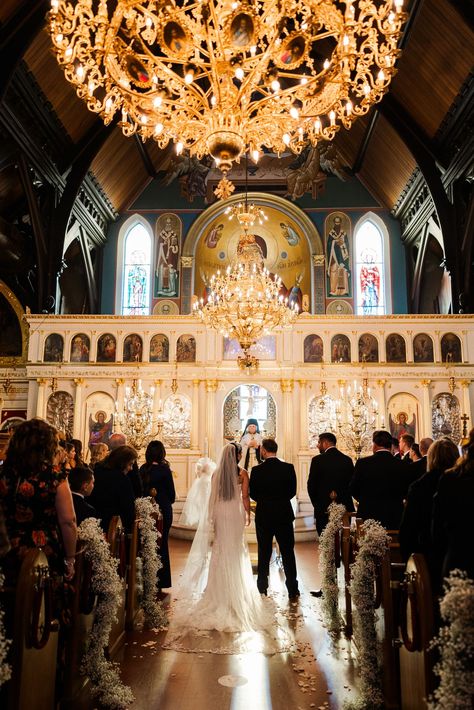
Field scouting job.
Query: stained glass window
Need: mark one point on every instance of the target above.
(370, 270)
(136, 272)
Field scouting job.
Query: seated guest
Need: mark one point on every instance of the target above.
(113, 491)
(81, 483)
(452, 515)
(415, 528)
(98, 453)
(380, 483)
(158, 483)
(71, 456)
(406, 441)
(37, 502)
(77, 443)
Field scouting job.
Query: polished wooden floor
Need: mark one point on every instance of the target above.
(319, 674)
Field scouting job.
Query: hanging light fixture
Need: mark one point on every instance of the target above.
(136, 416)
(219, 77)
(246, 301)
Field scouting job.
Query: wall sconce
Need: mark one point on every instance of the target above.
(174, 381)
(7, 386)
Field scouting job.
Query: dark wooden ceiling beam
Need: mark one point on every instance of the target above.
(421, 150)
(147, 162)
(16, 36)
(465, 9)
(361, 153)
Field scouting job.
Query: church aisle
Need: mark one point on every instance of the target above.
(171, 680)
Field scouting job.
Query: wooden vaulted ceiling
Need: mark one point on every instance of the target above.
(436, 61)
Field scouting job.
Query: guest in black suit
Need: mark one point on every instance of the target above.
(418, 466)
(272, 486)
(452, 515)
(113, 490)
(380, 483)
(395, 448)
(117, 440)
(415, 528)
(81, 483)
(406, 441)
(329, 477)
(158, 482)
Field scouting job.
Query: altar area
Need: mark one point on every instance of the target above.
(201, 398)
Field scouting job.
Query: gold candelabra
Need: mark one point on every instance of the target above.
(356, 414)
(136, 417)
(222, 77)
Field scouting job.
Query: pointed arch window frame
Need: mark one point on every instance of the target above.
(125, 229)
(387, 274)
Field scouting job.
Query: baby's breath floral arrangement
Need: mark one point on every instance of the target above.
(327, 567)
(104, 676)
(145, 510)
(5, 668)
(455, 644)
(372, 548)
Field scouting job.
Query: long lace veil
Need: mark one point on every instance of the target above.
(224, 487)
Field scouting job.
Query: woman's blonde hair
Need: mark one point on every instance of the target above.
(442, 455)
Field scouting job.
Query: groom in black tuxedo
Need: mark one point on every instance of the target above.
(272, 486)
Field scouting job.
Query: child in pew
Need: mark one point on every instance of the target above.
(81, 483)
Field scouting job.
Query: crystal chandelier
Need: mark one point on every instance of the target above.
(220, 77)
(136, 417)
(356, 414)
(245, 302)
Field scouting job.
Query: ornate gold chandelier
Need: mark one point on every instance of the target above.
(246, 302)
(221, 77)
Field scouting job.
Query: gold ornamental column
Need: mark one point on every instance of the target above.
(118, 401)
(195, 415)
(210, 433)
(286, 450)
(40, 400)
(382, 415)
(76, 426)
(426, 423)
(303, 404)
(466, 403)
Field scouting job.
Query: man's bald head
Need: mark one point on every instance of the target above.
(117, 440)
(425, 445)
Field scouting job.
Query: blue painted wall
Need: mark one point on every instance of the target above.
(350, 197)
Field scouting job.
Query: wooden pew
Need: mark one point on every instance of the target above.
(417, 628)
(35, 637)
(117, 539)
(82, 610)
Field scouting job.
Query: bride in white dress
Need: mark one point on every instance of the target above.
(217, 592)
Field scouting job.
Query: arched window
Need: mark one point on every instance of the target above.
(134, 255)
(372, 292)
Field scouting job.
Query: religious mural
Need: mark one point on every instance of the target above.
(80, 347)
(53, 348)
(106, 348)
(245, 402)
(168, 239)
(284, 248)
(159, 348)
(446, 417)
(368, 348)
(450, 348)
(313, 349)
(340, 349)
(177, 422)
(338, 255)
(133, 348)
(403, 415)
(263, 349)
(99, 418)
(395, 348)
(186, 348)
(423, 348)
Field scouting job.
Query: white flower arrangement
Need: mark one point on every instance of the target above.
(327, 567)
(5, 668)
(145, 510)
(105, 583)
(455, 643)
(372, 548)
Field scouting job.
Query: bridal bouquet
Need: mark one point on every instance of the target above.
(327, 567)
(455, 643)
(5, 669)
(146, 511)
(372, 548)
(106, 584)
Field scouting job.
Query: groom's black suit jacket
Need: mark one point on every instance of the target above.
(272, 486)
(331, 471)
